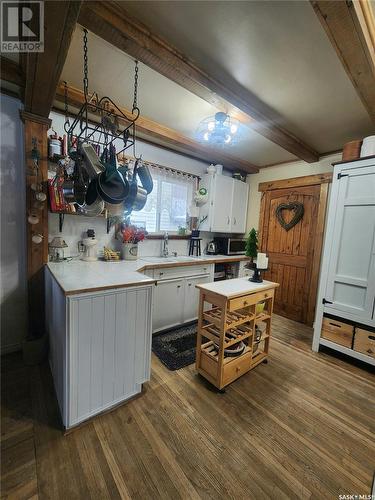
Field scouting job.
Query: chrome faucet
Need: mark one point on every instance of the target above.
(165, 251)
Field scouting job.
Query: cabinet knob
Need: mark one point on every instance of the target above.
(178, 286)
(161, 274)
(245, 302)
(189, 284)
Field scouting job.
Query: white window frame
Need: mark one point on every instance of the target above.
(195, 180)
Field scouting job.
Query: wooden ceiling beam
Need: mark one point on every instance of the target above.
(109, 21)
(11, 72)
(161, 135)
(350, 26)
(43, 69)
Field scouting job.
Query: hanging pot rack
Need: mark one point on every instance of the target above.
(114, 125)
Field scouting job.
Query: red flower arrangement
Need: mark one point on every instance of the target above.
(133, 234)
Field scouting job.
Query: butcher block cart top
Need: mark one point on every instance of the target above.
(233, 315)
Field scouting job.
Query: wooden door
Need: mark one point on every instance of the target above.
(294, 255)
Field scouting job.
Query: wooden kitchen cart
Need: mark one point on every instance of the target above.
(228, 314)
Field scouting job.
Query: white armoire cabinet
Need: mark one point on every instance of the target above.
(226, 209)
(346, 296)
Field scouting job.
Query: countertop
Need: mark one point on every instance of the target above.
(77, 276)
(236, 287)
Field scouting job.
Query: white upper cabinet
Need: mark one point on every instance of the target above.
(239, 206)
(226, 210)
(221, 204)
(351, 272)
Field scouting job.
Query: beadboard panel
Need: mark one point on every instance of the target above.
(110, 349)
(56, 327)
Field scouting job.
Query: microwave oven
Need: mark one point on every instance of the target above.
(231, 246)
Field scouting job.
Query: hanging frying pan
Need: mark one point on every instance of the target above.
(113, 188)
(111, 185)
(145, 178)
(137, 195)
(80, 183)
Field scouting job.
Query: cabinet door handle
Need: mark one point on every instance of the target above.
(234, 221)
(228, 219)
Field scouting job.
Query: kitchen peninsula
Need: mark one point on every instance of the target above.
(99, 320)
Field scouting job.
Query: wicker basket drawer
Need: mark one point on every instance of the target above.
(337, 331)
(364, 342)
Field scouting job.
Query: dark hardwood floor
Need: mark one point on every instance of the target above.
(301, 426)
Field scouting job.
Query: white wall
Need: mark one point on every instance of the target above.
(283, 171)
(75, 226)
(13, 286)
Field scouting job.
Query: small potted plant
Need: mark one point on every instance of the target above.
(251, 249)
(131, 236)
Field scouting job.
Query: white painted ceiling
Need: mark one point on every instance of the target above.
(276, 49)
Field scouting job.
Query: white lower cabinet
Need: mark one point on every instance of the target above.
(176, 300)
(168, 304)
(100, 354)
(191, 299)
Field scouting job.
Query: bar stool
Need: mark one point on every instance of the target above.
(195, 244)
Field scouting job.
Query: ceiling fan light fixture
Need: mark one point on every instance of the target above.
(220, 130)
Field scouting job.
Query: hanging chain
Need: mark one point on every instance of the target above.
(85, 65)
(67, 123)
(135, 104)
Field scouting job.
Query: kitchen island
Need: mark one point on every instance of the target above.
(99, 321)
(233, 315)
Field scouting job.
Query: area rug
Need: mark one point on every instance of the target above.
(176, 348)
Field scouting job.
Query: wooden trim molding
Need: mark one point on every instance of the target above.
(35, 129)
(170, 237)
(318, 246)
(110, 21)
(25, 116)
(306, 180)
